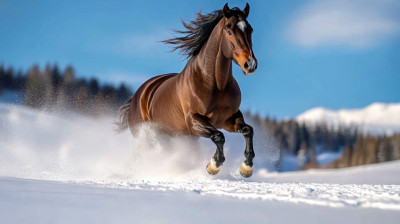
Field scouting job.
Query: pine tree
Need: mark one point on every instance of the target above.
(66, 92)
(2, 83)
(370, 150)
(34, 89)
(345, 160)
(395, 147)
(94, 86)
(56, 77)
(82, 102)
(6, 78)
(357, 158)
(47, 79)
(383, 153)
(69, 76)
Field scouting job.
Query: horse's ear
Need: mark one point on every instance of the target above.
(226, 11)
(246, 10)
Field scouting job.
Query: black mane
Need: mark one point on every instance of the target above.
(197, 32)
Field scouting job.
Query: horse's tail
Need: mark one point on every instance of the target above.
(123, 111)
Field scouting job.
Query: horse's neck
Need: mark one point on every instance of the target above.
(215, 68)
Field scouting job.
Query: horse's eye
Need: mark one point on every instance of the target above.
(227, 27)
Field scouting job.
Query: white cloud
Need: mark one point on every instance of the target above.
(356, 23)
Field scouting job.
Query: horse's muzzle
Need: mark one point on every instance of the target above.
(250, 66)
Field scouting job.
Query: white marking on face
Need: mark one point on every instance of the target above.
(241, 25)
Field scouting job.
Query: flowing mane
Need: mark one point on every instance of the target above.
(197, 33)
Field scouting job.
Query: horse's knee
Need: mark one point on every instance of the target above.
(249, 154)
(218, 138)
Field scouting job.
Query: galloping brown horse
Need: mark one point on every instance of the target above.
(205, 96)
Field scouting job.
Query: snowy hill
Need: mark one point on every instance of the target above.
(377, 118)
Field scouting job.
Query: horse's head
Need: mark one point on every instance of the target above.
(237, 43)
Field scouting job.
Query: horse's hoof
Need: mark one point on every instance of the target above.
(212, 167)
(245, 170)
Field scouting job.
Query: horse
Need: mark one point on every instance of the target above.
(204, 96)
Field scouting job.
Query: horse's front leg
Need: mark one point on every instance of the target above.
(236, 124)
(199, 125)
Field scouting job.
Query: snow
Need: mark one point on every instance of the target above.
(382, 173)
(327, 157)
(66, 146)
(377, 118)
(30, 201)
(62, 167)
(224, 201)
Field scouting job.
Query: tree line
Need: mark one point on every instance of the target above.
(51, 88)
(307, 141)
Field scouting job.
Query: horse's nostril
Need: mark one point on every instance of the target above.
(246, 65)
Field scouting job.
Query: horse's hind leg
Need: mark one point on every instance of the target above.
(236, 124)
(200, 126)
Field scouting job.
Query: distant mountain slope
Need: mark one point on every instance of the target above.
(377, 118)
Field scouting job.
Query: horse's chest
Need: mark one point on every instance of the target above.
(222, 107)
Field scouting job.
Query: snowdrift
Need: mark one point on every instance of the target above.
(66, 146)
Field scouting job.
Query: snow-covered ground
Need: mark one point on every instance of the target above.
(377, 118)
(66, 168)
(221, 201)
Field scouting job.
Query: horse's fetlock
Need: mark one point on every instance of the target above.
(249, 163)
(249, 155)
(219, 160)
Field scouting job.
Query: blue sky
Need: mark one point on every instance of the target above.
(329, 53)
